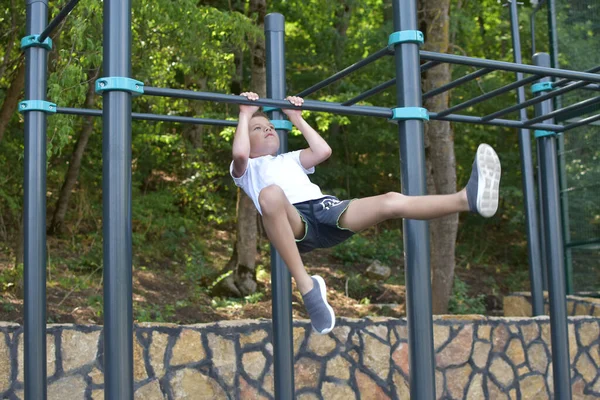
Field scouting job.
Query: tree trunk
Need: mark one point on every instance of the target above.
(243, 280)
(62, 204)
(441, 163)
(13, 95)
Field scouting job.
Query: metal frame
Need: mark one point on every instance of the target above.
(531, 214)
(34, 220)
(553, 235)
(117, 116)
(281, 281)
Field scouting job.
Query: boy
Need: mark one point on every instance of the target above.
(299, 218)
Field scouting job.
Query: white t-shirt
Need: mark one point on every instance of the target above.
(285, 171)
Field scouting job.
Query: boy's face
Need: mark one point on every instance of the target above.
(263, 137)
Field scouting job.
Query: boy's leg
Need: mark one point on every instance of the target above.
(480, 195)
(283, 226)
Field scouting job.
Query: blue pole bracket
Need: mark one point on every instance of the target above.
(268, 109)
(32, 41)
(283, 124)
(37, 105)
(540, 134)
(408, 113)
(541, 87)
(119, 83)
(405, 37)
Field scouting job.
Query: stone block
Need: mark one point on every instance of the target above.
(376, 356)
(254, 364)
(458, 351)
(157, 353)
(150, 391)
(188, 348)
(78, 349)
(70, 387)
(321, 345)
(191, 384)
(222, 350)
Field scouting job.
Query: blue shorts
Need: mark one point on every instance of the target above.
(321, 223)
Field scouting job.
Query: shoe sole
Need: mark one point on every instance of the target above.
(322, 291)
(488, 184)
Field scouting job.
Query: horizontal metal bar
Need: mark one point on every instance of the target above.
(581, 243)
(536, 100)
(509, 123)
(428, 65)
(507, 66)
(582, 122)
(339, 75)
(380, 88)
(489, 95)
(150, 117)
(371, 92)
(62, 14)
(563, 82)
(565, 110)
(457, 82)
(313, 105)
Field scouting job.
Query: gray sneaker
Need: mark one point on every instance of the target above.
(320, 312)
(484, 183)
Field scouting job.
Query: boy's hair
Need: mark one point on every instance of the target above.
(260, 114)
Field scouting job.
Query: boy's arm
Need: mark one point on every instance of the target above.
(318, 150)
(241, 141)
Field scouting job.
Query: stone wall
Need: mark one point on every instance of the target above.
(519, 305)
(477, 357)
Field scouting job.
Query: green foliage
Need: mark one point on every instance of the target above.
(461, 303)
(219, 302)
(11, 277)
(385, 247)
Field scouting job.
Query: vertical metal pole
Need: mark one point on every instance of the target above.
(564, 196)
(116, 197)
(541, 226)
(416, 233)
(533, 239)
(35, 209)
(554, 251)
(280, 275)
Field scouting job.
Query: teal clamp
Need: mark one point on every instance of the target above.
(541, 87)
(32, 41)
(120, 83)
(283, 124)
(406, 113)
(405, 37)
(37, 105)
(268, 109)
(541, 134)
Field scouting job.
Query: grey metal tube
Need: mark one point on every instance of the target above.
(565, 110)
(531, 213)
(536, 100)
(150, 117)
(511, 67)
(34, 240)
(457, 82)
(346, 71)
(416, 233)
(509, 123)
(583, 122)
(283, 351)
(116, 199)
(313, 105)
(554, 254)
(562, 82)
(489, 95)
(62, 14)
(380, 88)
(370, 92)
